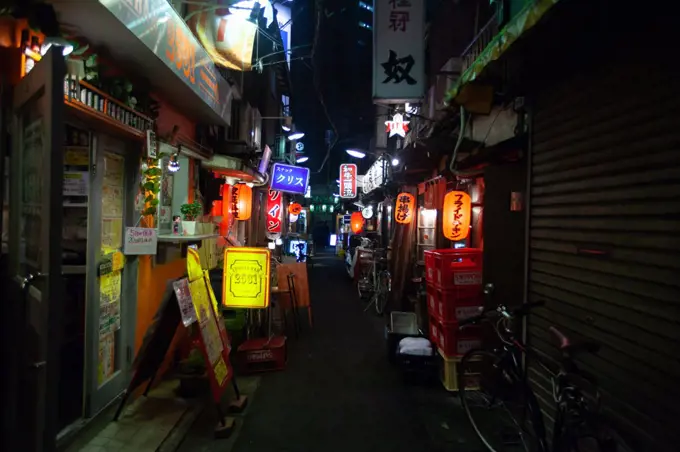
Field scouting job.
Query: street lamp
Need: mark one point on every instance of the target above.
(395, 161)
(356, 153)
(302, 159)
(296, 136)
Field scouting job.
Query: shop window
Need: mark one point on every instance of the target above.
(427, 231)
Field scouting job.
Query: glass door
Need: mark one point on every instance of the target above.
(111, 287)
(35, 254)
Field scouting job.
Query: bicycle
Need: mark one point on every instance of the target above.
(378, 282)
(502, 383)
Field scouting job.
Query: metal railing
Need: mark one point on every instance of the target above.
(480, 42)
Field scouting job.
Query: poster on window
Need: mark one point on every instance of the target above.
(398, 50)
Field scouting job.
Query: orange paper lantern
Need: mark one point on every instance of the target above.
(357, 222)
(457, 215)
(295, 209)
(242, 200)
(406, 204)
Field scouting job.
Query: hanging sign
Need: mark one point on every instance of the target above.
(457, 213)
(274, 208)
(245, 283)
(289, 178)
(367, 212)
(299, 146)
(348, 180)
(376, 175)
(140, 241)
(403, 213)
(399, 50)
(397, 126)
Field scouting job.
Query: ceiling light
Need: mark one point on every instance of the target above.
(302, 159)
(395, 161)
(296, 136)
(356, 153)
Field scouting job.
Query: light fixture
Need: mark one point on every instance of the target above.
(66, 46)
(324, 207)
(250, 184)
(356, 153)
(173, 164)
(302, 159)
(367, 212)
(271, 245)
(285, 128)
(296, 136)
(395, 161)
(279, 241)
(308, 192)
(311, 207)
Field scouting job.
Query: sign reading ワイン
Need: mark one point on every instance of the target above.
(245, 283)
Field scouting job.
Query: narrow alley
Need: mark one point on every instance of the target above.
(338, 392)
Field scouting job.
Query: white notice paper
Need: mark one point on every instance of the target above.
(139, 241)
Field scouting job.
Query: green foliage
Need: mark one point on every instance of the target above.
(191, 211)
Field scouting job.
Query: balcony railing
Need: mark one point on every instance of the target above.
(480, 42)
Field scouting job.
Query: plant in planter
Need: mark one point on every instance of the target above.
(189, 214)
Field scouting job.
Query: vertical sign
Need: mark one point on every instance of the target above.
(348, 180)
(274, 208)
(399, 50)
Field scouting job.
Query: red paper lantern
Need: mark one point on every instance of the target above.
(457, 215)
(227, 213)
(357, 222)
(406, 204)
(242, 198)
(295, 208)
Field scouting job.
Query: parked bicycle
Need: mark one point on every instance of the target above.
(376, 282)
(504, 410)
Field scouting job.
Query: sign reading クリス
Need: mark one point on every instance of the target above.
(348, 180)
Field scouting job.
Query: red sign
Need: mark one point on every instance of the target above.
(348, 180)
(274, 208)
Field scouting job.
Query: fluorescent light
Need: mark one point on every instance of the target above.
(271, 245)
(302, 159)
(395, 161)
(285, 128)
(356, 153)
(67, 47)
(279, 242)
(296, 136)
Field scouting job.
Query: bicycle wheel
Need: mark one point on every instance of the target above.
(500, 407)
(382, 292)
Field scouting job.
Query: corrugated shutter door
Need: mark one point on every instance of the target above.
(604, 244)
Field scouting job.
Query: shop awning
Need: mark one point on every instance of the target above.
(523, 21)
(233, 167)
(149, 39)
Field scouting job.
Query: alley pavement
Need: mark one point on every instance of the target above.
(338, 392)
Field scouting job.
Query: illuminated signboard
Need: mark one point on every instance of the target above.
(245, 283)
(348, 180)
(289, 178)
(163, 31)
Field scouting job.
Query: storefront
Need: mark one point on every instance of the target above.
(80, 163)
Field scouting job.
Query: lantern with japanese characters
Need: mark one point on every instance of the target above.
(227, 210)
(242, 201)
(457, 214)
(406, 204)
(295, 209)
(357, 222)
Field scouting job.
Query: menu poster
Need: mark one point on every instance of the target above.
(107, 358)
(109, 302)
(186, 305)
(76, 183)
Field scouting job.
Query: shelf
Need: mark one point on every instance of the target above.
(172, 238)
(86, 112)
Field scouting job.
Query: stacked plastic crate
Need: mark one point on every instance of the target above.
(454, 292)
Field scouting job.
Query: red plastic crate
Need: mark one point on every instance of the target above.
(447, 307)
(429, 266)
(459, 269)
(454, 342)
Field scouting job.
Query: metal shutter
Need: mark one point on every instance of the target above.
(604, 248)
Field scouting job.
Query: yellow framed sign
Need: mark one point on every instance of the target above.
(245, 283)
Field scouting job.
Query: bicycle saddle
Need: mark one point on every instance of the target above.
(571, 348)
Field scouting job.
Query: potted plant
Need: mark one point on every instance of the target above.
(189, 213)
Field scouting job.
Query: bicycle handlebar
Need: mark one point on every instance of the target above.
(501, 310)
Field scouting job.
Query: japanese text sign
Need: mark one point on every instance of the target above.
(245, 283)
(173, 42)
(289, 178)
(348, 180)
(274, 215)
(457, 213)
(399, 50)
(139, 241)
(403, 213)
(376, 175)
